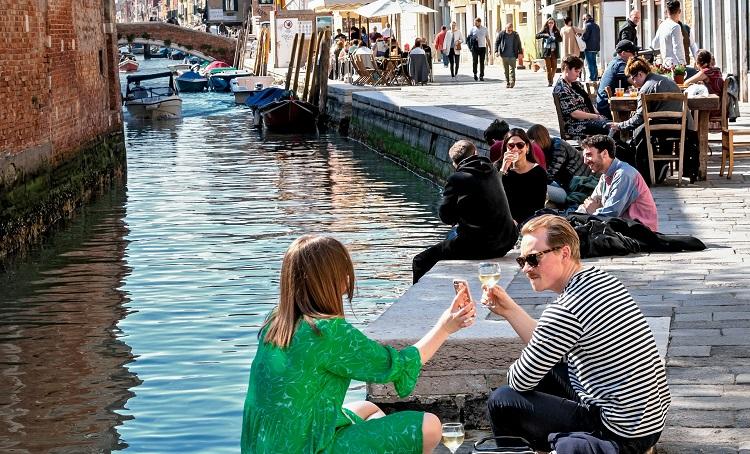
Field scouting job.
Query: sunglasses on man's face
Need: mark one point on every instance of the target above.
(519, 145)
(533, 259)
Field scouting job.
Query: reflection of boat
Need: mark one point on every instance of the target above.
(152, 103)
(219, 79)
(191, 81)
(289, 115)
(242, 87)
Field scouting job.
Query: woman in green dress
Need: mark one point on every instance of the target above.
(308, 354)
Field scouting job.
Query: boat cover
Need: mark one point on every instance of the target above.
(190, 75)
(266, 96)
(216, 64)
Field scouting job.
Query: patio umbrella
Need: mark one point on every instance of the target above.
(380, 8)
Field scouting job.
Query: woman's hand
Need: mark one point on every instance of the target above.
(509, 157)
(496, 299)
(460, 314)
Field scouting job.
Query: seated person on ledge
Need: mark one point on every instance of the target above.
(581, 119)
(524, 181)
(622, 192)
(494, 135)
(308, 354)
(613, 384)
(474, 199)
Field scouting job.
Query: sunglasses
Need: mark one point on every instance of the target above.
(519, 145)
(533, 259)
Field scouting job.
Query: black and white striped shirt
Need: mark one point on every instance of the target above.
(613, 361)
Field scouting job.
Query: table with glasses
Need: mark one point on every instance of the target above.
(622, 106)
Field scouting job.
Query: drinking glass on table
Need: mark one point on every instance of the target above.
(453, 435)
(619, 92)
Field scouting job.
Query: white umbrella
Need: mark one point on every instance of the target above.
(380, 8)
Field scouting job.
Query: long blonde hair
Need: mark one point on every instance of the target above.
(315, 272)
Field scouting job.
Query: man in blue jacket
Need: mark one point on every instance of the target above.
(474, 200)
(592, 37)
(614, 76)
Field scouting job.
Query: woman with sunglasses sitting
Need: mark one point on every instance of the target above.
(580, 117)
(524, 181)
(590, 372)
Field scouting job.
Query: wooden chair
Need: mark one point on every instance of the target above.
(365, 73)
(592, 88)
(560, 120)
(658, 121)
(728, 134)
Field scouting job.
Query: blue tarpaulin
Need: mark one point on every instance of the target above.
(266, 96)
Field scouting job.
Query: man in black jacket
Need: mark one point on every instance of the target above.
(474, 200)
(628, 31)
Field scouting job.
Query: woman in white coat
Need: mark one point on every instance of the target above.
(452, 44)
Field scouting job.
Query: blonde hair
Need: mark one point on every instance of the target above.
(316, 270)
(559, 233)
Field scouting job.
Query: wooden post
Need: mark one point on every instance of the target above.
(298, 64)
(325, 51)
(308, 68)
(315, 84)
(291, 62)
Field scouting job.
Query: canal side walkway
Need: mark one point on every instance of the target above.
(704, 296)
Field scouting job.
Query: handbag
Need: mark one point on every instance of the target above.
(457, 46)
(503, 445)
(581, 43)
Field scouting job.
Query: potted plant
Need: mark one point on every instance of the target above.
(678, 74)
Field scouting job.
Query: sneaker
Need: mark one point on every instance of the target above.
(481, 78)
(507, 85)
(475, 77)
(513, 84)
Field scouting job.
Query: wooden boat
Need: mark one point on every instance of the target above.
(191, 81)
(128, 65)
(152, 103)
(289, 115)
(242, 87)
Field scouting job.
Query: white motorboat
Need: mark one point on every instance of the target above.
(152, 103)
(242, 87)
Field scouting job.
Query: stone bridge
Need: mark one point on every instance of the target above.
(193, 42)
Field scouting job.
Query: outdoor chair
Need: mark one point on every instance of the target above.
(666, 130)
(721, 125)
(419, 69)
(366, 74)
(561, 123)
(369, 65)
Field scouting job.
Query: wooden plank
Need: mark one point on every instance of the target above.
(299, 61)
(325, 50)
(308, 68)
(291, 62)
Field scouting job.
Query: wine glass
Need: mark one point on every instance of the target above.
(489, 273)
(453, 435)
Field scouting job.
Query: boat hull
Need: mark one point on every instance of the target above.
(194, 85)
(290, 115)
(155, 108)
(129, 66)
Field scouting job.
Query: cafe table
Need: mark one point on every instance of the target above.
(622, 106)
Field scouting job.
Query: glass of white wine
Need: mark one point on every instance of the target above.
(489, 273)
(453, 435)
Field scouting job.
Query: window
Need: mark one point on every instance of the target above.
(230, 5)
(523, 18)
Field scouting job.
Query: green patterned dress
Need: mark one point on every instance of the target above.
(295, 395)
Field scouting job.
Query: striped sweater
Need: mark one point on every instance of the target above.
(612, 357)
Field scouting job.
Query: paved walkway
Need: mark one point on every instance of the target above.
(706, 294)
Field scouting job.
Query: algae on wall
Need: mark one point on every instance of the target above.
(34, 200)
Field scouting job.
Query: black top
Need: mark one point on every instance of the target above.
(628, 32)
(474, 199)
(526, 192)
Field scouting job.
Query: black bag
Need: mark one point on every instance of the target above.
(472, 42)
(503, 445)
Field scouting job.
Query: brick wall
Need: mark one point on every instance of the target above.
(222, 48)
(52, 86)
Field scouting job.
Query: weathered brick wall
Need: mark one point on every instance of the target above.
(60, 112)
(52, 85)
(222, 48)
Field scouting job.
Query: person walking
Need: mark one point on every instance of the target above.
(629, 31)
(668, 38)
(308, 354)
(439, 39)
(569, 41)
(551, 38)
(592, 37)
(480, 41)
(452, 47)
(508, 47)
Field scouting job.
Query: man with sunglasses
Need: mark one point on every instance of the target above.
(590, 363)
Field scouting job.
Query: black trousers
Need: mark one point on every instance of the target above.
(457, 248)
(453, 59)
(553, 407)
(480, 53)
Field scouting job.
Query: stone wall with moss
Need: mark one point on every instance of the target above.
(38, 191)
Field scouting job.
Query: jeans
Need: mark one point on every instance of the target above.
(453, 59)
(552, 407)
(591, 63)
(556, 194)
(480, 53)
(444, 57)
(509, 65)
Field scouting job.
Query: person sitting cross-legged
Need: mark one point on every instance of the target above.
(622, 191)
(590, 370)
(474, 201)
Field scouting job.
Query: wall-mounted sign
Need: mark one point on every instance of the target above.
(286, 28)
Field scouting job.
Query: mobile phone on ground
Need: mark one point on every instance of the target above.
(457, 285)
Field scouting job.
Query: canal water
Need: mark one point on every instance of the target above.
(133, 327)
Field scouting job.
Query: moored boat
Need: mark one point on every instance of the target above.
(152, 103)
(219, 79)
(242, 87)
(128, 65)
(191, 81)
(289, 115)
